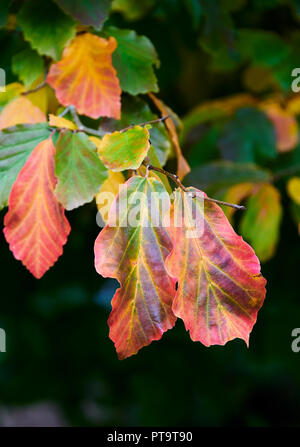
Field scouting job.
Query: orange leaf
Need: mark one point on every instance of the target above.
(285, 124)
(20, 111)
(220, 288)
(182, 165)
(86, 78)
(35, 225)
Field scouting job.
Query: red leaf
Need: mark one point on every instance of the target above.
(35, 225)
(220, 288)
(141, 307)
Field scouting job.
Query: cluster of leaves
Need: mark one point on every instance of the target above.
(72, 64)
(248, 144)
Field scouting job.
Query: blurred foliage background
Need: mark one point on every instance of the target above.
(226, 70)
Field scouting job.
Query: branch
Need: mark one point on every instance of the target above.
(35, 89)
(82, 127)
(158, 120)
(176, 179)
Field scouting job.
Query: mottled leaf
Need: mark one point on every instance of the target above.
(87, 12)
(261, 221)
(46, 27)
(78, 169)
(135, 255)
(136, 111)
(35, 225)
(124, 150)
(16, 144)
(220, 288)
(94, 91)
(134, 59)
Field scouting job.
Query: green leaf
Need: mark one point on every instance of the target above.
(218, 176)
(78, 169)
(87, 12)
(28, 66)
(137, 111)
(248, 137)
(46, 27)
(134, 59)
(124, 150)
(262, 47)
(261, 221)
(16, 144)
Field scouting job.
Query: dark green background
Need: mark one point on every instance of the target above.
(58, 350)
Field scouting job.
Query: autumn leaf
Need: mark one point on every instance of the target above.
(89, 12)
(46, 27)
(124, 150)
(20, 111)
(108, 192)
(236, 194)
(134, 59)
(134, 255)
(261, 221)
(94, 91)
(220, 288)
(35, 225)
(78, 169)
(182, 165)
(293, 189)
(285, 125)
(136, 111)
(16, 144)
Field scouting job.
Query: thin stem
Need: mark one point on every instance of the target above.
(158, 120)
(82, 127)
(35, 89)
(176, 179)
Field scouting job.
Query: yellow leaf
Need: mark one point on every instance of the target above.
(11, 91)
(108, 191)
(236, 194)
(293, 189)
(20, 111)
(40, 97)
(96, 141)
(58, 121)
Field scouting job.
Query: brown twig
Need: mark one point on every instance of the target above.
(35, 89)
(176, 180)
(82, 127)
(158, 120)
